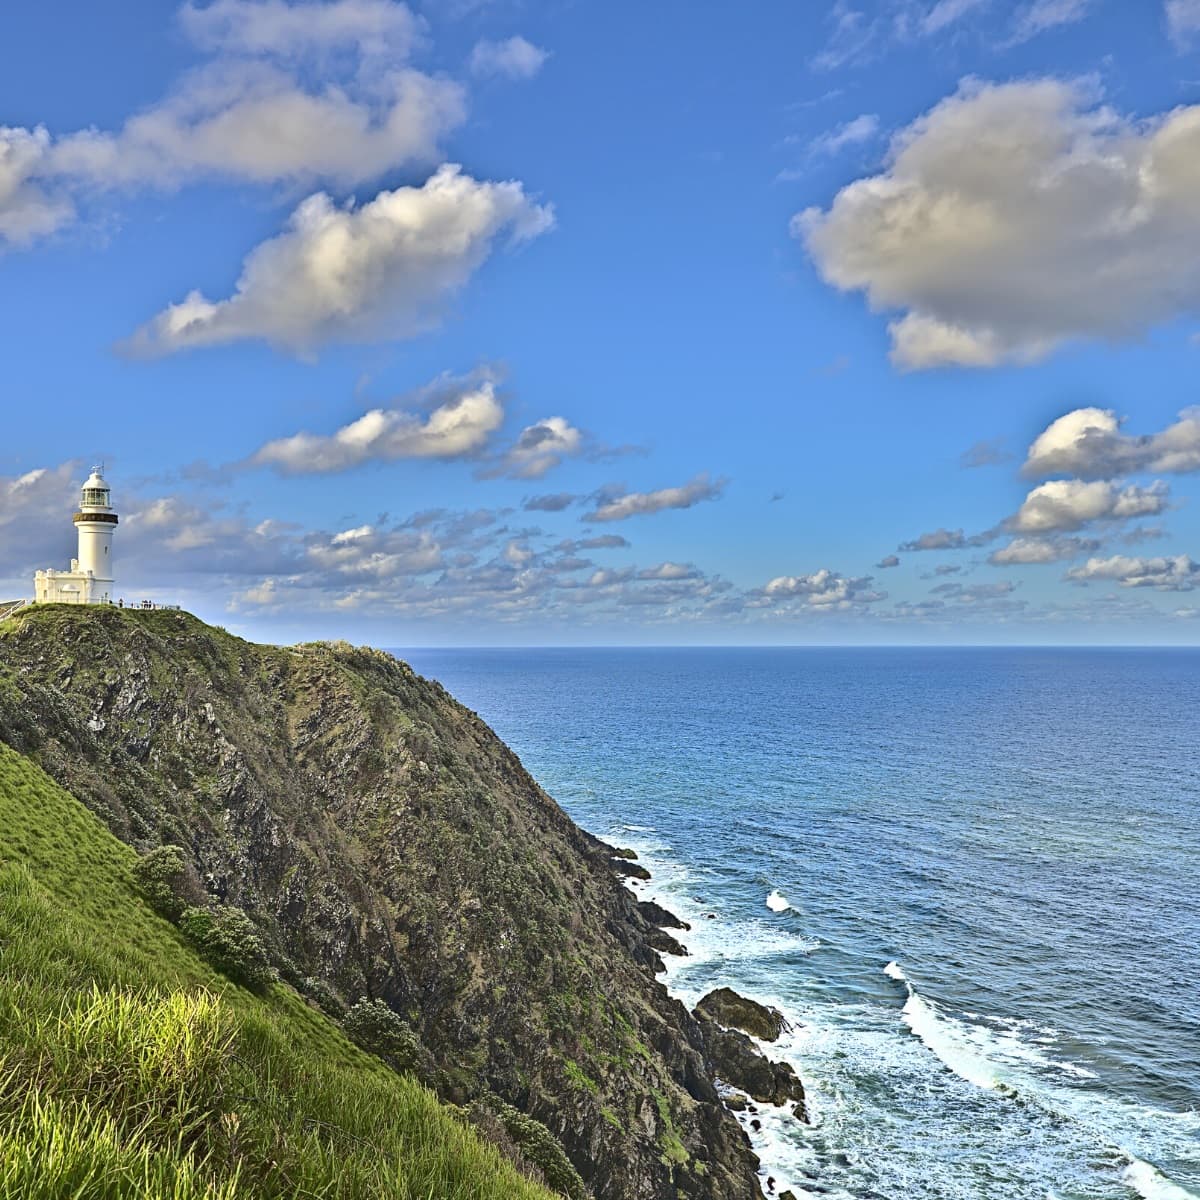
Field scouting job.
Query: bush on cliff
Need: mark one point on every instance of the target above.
(381, 1032)
(168, 881)
(528, 1142)
(228, 939)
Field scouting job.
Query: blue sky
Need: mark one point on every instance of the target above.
(490, 322)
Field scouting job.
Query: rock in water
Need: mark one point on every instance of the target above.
(727, 1008)
(389, 846)
(734, 1058)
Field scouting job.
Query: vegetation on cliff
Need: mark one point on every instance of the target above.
(131, 1070)
(389, 848)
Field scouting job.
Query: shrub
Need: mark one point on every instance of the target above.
(378, 1030)
(168, 881)
(229, 940)
(536, 1146)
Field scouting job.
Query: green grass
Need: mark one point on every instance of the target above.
(129, 1069)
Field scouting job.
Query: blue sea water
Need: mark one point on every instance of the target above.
(970, 878)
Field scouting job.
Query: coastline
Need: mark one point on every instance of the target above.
(787, 1165)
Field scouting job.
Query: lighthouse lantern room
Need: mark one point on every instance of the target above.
(90, 579)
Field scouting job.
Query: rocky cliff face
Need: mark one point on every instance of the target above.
(389, 846)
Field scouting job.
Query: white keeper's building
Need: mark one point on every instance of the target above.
(90, 579)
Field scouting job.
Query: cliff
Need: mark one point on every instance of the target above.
(132, 1070)
(388, 846)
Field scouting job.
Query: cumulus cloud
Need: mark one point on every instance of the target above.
(823, 589)
(1177, 574)
(249, 114)
(35, 529)
(514, 58)
(27, 212)
(1013, 218)
(459, 425)
(1026, 551)
(669, 570)
(1088, 443)
(635, 504)
(1183, 21)
(890, 561)
(937, 539)
(1064, 505)
(538, 449)
(383, 270)
(248, 27)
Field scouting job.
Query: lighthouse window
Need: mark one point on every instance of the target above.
(95, 496)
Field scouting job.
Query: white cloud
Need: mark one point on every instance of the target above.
(852, 36)
(1024, 551)
(27, 212)
(1012, 218)
(822, 589)
(458, 426)
(948, 12)
(384, 270)
(1177, 574)
(1064, 505)
(635, 504)
(538, 449)
(1043, 15)
(514, 58)
(937, 539)
(1183, 20)
(248, 27)
(1088, 442)
(669, 570)
(850, 133)
(253, 121)
(249, 114)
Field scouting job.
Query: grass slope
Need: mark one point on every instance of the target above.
(129, 1069)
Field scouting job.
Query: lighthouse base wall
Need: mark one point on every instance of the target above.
(71, 587)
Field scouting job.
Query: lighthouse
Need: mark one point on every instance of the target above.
(90, 579)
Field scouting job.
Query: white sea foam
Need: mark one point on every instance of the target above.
(777, 902)
(1149, 1182)
(842, 1052)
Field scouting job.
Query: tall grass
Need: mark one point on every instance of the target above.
(129, 1069)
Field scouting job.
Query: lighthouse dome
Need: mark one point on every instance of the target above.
(95, 492)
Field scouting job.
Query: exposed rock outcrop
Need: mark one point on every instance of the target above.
(727, 1008)
(733, 1057)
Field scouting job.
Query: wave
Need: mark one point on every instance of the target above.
(1150, 1183)
(777, 902)
(987, 1060)
(954, 1046)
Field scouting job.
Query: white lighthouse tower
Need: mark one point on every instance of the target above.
(90, 579)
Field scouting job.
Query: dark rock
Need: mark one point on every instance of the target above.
(726, 1007)
(661, 917)
(735, 1060)
(664, 943)
(632, 869)
(622, 852)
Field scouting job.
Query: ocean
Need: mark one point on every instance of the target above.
(969, 877)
